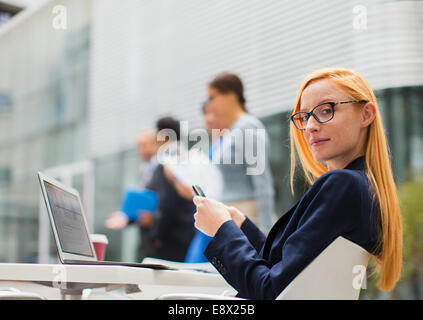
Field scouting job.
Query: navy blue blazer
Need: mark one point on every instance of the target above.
(339, 203)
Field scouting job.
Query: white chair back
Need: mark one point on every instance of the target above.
(336, 274)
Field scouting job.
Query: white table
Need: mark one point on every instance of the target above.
(71, 280)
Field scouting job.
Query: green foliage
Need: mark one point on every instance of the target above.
(411, 202)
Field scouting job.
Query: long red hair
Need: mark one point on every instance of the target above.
(378, 169)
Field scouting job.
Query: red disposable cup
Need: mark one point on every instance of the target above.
(100, 243)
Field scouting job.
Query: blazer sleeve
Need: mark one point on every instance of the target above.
(253, 233)
(330, 210)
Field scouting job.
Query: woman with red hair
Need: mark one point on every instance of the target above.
(338, 135)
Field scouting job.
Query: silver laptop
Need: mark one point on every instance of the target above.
(70, 227)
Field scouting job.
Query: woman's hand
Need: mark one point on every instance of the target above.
(237, 216)
(210, 215)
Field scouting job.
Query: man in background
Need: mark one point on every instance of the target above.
(173, 222)
(168, 232)
(147, 147)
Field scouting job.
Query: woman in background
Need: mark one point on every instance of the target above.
(247, 184)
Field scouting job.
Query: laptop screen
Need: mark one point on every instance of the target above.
(68, 221)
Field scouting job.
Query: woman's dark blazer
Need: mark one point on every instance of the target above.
(339, 203)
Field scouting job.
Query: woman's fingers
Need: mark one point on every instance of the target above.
(210, 215)
(197, 200)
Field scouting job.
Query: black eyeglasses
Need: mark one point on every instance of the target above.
(323, 112)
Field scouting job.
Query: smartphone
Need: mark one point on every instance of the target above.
(198, 191)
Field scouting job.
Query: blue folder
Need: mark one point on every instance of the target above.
(135, 200)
